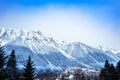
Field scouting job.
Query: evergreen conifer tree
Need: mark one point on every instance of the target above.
(29, 71)
(118, 70)
(2, 63)
(104, 74)
(108, 72)
(2, 57)
(106, 68)
(112, 73)
(107, 65)
(11, 69)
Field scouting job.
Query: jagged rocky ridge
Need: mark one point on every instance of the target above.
(49, 53)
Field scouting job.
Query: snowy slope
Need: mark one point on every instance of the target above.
(49, 53)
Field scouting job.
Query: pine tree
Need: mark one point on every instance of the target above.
(2, 63)
(106, 68)
(104, 74)
(108, 72)
(107, 65)
(2, 57)
(118, 70)
(29, 71)
(112, 73)
(11, 69)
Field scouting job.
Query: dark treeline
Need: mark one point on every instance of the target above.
(9, 70)
(110, 72)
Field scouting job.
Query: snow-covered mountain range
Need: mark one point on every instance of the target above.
(49, 53)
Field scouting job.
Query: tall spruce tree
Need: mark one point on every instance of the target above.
(2, 57)
(29, 71)
(11, 69)
(112, 73)
(106, 68)
(108, 72)
(118, 70)
(2, 63)
(104, 74)
(107, 65)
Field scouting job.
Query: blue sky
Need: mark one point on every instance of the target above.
(94, 22)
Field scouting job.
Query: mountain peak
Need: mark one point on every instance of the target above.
(47, 51)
